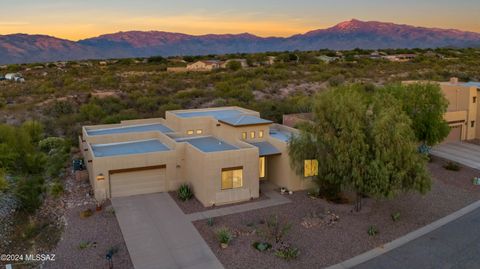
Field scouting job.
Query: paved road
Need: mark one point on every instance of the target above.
(158, 234)
(453, 246)
(460, 152)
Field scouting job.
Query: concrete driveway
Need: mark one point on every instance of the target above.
(460, 152)
(453, 246)
(159, 235)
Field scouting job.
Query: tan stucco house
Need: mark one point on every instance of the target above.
(222, 153)
(463, 107)
(204, 65)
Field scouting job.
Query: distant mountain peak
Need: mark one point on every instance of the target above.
(354, 33)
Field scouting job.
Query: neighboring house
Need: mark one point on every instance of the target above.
(243, 63)
(328, 59)
(222, 153)
(14, 77)
(463, 112)
(204, 65)
(400, 57)
(270, 60)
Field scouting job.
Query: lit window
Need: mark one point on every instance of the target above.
(199, 131)
(244, 135)
(261, 167)
(252, 135)
(190, 132)
(310, 168)
(232, 178)
(260, 134)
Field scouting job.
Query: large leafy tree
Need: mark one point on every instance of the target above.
(425, 104)
(363, 142)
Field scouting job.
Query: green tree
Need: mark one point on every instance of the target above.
(234, 65)
(425, 104)
(363, 142)
(92, 112)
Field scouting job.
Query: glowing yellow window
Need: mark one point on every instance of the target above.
(252, 135)
(244, 135)
(261, 166)
(190, 132)
(310, 168)
(260, 134)
(199, 131)
(232, 178)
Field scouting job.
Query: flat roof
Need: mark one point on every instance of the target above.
(128, 148)
(472, 83)
(217, 113)
(242, 120)
(280, 134)
(208, 144)
(130, 129)
(266, 149)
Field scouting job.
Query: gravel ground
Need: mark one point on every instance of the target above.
(100, 232)
(193, 205)
(324, 245)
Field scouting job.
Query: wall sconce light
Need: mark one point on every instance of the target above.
(100, 177)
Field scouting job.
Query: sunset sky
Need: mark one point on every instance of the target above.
(86, 18)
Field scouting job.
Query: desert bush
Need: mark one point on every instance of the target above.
(56, 189)
(287, 252)
(396, 216)
(372, 231)
(184, 193)
(452, 166)
(274, 229)
(30, 191)
(224, 236)
(261, 246)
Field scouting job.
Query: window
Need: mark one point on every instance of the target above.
(252, 135)
(190, 132)
(472, 124)
(232, 178)
(261, 166)
(244, 135)
(474, 99)
(199, 131)
(260, 134)
(310, 168)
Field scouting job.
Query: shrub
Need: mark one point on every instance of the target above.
(396, 216)
(3, 181)
(261, 246)
(29, 191)
(452, 166)
(184, 192)
(372, 231)
(275, 229)
(86, 213)
(83, 245)
(287, 252)
(224, 236)
(56, 189)
(210, 222)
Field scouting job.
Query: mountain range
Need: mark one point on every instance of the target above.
(23, 48)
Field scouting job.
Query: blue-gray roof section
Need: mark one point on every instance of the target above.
(217, 114)
(266, 149)
(208, 144)
(128, 148)
(280, 135)
(474, 84)
(130, 129)
(242, 120)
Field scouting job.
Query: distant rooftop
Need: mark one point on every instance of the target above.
(472, 83)
(130, 129)
(128, 148)
(280, 134)
(266, 149)
(241, 120)
(207, 143)
(217, 114)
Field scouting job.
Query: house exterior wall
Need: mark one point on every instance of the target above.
(184, 163)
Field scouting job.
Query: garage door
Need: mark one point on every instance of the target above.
(455, 134)
(139, 181)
